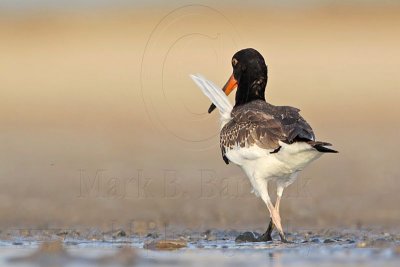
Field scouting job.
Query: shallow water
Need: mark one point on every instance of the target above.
(217, 248)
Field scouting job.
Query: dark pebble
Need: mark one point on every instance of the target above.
(152, 235)
(61, 233)
(328, 240)
(247, 237)
(120, 233)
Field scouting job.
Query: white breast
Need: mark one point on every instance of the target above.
(258, 162)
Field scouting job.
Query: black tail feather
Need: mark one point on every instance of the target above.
(323, 149)
(321, 146)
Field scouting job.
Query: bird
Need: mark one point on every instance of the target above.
(269, 143)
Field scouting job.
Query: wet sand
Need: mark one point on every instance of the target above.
(308, 248)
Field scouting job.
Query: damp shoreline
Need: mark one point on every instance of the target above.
(217, 247)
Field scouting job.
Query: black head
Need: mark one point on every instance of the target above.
(250, 76)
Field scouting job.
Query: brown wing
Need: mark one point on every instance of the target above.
(259, 123)
(294, 126)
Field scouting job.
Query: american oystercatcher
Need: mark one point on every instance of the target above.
(270, 143)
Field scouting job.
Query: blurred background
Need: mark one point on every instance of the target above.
(100, 124)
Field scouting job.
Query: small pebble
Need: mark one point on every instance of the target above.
(61, 233)
(361, 244)
(247, 237)
(165, 244)
(119, 233)
(152, 235)
(211, 238)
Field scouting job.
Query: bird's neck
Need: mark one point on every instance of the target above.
(250, 89)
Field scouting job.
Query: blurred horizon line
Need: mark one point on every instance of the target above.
(7, 6)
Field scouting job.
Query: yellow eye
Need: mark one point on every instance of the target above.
(234, 62)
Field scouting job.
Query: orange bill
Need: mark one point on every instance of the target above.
(230, 85)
